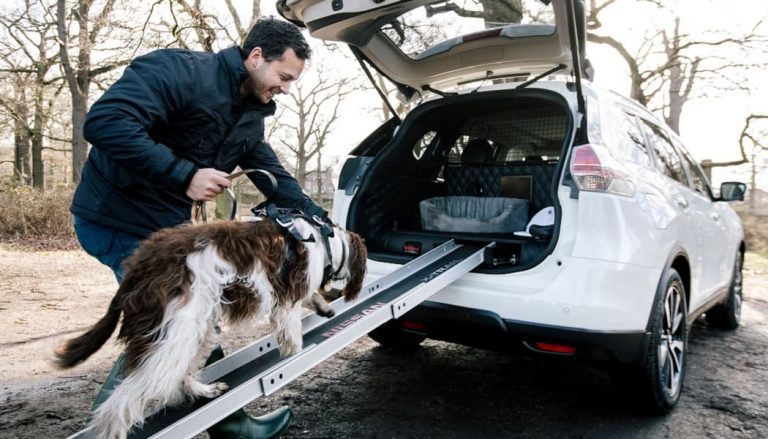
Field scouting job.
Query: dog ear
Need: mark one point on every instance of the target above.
(356, 264)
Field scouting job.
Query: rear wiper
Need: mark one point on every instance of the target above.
(536, 78)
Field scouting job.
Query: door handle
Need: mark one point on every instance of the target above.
(680, 201)
(715, 216)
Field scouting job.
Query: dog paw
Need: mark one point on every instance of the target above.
(216, 389)
(326, 312)
(288, 349)
(200, 390)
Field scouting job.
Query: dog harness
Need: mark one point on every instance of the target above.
(285, 217)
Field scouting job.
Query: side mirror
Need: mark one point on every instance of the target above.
(732, 191)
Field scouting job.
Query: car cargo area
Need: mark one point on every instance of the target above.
(468, 168)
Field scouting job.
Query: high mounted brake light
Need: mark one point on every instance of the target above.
(595, 170)
(482, 34)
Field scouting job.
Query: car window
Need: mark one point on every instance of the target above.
(420, 147)
(699, 181)
(667, 160)
(435, 28)
(634, 143)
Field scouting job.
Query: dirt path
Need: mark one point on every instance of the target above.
(441, 390)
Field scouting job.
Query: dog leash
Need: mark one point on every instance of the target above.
(199, 206)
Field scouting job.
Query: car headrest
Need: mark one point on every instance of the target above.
(477, 151)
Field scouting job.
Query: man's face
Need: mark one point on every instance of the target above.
(269, 78)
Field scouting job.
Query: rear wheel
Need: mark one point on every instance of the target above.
(658, 378)
(664, 364)
(727, 315)
(392, 336)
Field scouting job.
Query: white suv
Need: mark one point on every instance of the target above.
(609, 240)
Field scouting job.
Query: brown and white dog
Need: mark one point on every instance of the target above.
(182, 281)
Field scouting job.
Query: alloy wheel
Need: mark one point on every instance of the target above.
(737, 279)
(671, 349)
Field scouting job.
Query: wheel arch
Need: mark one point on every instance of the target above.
(677, 260)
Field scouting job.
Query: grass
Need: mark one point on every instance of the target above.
(34, 219)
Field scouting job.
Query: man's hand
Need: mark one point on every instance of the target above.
(206, 184)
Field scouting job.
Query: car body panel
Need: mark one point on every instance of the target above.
(603, 272)
(579, 293)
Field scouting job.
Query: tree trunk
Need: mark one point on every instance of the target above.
(753, 182)
(21, 153)
(319, 179)
(79, 144)
(21, 136)
(79, 80)
(301, 154)
(38, 168)
(301, 170)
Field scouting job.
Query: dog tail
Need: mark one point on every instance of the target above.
(76, 350)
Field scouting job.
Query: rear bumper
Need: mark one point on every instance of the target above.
(485, 329)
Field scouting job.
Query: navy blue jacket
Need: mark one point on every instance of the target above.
(171, 113)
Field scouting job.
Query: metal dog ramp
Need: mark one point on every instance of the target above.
(257, 370)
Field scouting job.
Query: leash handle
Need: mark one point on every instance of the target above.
(199, 206)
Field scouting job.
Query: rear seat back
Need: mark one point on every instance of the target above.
(485, 179)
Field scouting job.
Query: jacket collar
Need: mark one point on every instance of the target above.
(233, 61)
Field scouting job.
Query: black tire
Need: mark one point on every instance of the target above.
(727, 315)
(392, 336)
(663, 367)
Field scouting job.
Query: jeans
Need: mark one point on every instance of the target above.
(106, 244)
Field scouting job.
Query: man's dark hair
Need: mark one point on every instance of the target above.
(274, 36)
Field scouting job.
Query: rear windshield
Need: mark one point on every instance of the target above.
(436, 27)
(515, 134)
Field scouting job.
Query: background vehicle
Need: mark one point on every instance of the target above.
(633, 244)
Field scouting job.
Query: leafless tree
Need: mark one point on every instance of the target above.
(82, 26)
(28, 58)
(670, 68)
(493, 12)
(307, 117)
(199, 27)
(753, 143)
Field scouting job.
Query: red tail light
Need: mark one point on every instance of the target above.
(594, 169)
(555, 348)
(550, 348)
(482, 34)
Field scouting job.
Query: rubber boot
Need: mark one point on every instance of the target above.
(115, 377)
(238, 425)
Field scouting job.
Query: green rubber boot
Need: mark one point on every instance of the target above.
(239, 425)
(115, 377)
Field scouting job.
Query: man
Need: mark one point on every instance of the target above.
(166, 134)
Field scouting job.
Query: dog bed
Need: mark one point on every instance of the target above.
(474, 214)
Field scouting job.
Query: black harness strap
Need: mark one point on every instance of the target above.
(285, 219)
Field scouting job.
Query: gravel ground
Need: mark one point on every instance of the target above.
(441, 390)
